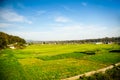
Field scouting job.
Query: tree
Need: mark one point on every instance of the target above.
(3, 40)
(6, 39)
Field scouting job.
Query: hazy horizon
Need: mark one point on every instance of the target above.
(52, 20)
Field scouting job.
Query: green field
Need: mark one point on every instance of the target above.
(55, 62)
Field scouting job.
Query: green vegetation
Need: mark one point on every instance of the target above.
(6, 40)
(10, 68)
(55, 62)
(110, 74)
(61, 56)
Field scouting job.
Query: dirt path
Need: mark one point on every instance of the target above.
(91, 72)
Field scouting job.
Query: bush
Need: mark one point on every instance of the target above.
(110, 74)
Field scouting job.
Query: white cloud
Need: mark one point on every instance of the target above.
(11, 26)
(84, 3)
(62, 19)
(12, 16)
(74, 32)
(27, 21)
(3, 25)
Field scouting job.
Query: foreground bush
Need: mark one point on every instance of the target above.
(110, 74)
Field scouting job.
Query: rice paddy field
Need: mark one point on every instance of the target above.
(55, 61)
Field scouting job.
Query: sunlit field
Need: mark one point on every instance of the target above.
(55, 61)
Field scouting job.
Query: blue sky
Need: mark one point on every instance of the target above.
(60, 19)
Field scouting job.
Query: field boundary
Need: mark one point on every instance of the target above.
(91, 72)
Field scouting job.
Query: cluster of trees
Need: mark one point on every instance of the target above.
(6, 39)
(105, 40)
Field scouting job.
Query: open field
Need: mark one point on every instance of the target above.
(54, 62)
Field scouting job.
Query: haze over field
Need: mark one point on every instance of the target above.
(60, 19)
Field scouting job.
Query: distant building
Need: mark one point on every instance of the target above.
(11, 46)
(99, 43)
(110, 43)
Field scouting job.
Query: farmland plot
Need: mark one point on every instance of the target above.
(55, 62)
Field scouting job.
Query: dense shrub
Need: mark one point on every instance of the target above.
(110, 74)
(6, 39)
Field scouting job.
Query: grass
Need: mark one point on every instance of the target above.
(60, 68)
(10, 68)
(54, 62)
(62, 56)
(105, 58)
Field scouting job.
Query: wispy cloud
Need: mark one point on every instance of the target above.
(62, 19)
(67, 8)
(73, 32)
(84, 4)
(3, 25)
(41, 12)
(11, 27)
(12, 16)
(28, 21)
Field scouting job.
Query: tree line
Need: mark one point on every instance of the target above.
(105, 40)
(6, 39)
